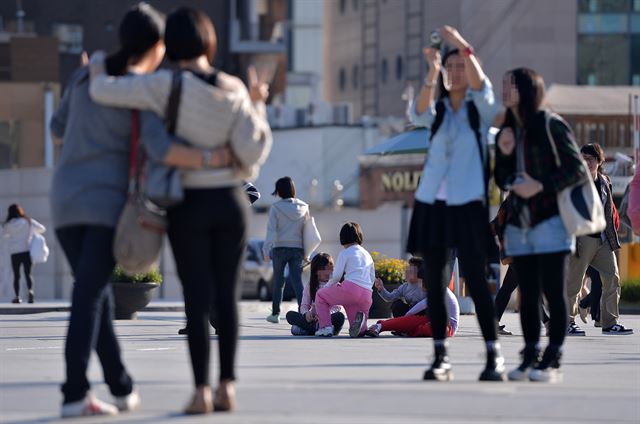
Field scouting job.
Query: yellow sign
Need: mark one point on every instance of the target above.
(401, 181)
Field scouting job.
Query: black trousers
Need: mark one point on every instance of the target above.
(592, 300)
(298, 319)
(509, 284)
(537, 275)
(89, 252)
(207, 232)
(21, 259)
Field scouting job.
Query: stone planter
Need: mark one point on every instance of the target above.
(132, 297)
(379, 308)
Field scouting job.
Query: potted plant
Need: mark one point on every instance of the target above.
(391, 272)
(133, 292)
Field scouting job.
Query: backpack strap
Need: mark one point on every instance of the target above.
(437, 122)
(474, 122)
(171, 115)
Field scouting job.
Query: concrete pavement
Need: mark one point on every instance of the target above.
(285, 379)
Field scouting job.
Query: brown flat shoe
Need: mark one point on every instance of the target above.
(201, 402)
(225, 397)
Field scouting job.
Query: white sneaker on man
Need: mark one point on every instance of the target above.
(128, 402)
(89, 406)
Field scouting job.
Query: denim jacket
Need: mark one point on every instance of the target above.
(453, 155)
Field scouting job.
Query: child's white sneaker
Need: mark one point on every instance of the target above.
(87, 407)
(128, 402)
(325, 331)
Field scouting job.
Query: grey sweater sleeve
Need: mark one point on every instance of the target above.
(396, 294)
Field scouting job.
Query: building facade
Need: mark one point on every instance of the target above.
(373, 47)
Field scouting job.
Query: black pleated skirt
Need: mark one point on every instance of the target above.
(439, 225)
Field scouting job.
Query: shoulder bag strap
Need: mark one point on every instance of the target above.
(171, 115)
(134, 165)
(552, 141)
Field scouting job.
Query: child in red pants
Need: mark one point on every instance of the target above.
(416, 323)
(355, 291)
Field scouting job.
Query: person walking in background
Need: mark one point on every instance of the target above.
(305, 321)
(283, 243)
(18, 229)
(88, 193)
(451, 208)
(598, 251)
(350, 285)
(409, 293)
(534, 234)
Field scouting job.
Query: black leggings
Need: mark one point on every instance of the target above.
(509, 284)
(537, 275)
(592, 300)
(207, 232)
(24, 259)
(472, 258)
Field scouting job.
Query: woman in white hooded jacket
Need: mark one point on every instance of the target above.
(18, 230)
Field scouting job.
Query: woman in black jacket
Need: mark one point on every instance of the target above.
(534, 235)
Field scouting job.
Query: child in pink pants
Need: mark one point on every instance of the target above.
(355, 291)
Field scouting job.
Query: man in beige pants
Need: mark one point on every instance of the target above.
(597, 250)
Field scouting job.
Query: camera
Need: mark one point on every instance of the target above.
(435, 39)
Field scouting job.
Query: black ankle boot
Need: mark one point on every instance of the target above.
(548, 368)
(494, 370)
(441, 368)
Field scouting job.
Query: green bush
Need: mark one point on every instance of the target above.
(389, 270)
(119, 276)
(630, 290)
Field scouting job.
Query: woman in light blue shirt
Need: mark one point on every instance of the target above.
(451, 200)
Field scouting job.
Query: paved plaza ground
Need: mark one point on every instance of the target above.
(285, 379)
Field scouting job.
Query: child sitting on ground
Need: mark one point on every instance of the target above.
(409, 293)
(305, 322)
(354, 293)
(416, 322)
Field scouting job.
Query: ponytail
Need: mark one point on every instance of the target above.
(116, 64)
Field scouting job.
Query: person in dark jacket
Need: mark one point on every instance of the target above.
(597, 250)
(529, 142)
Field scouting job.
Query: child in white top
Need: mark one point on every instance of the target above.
(356, 271)
(305, 322)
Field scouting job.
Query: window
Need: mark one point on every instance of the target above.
(384, 71)
(343, 6)
(399, 68)
(355, 77)
(636, 5)
(603, 6)
(69, 36)
(603, 60)
(342, 79)
(605, 23)
(635, 59)
(355, 4)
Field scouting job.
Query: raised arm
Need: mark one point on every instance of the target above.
(475, 74)
(425, 98)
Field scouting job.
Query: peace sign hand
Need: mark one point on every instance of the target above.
(258, 87)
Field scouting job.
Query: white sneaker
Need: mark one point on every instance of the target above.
(325, 331)
(128, 402)
(547, 375)
(87, 407)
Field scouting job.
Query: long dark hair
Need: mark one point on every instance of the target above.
(595, 150)
(442, 90)
(15, 211)
(140, 29)
(321, 260)
(530, 86)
